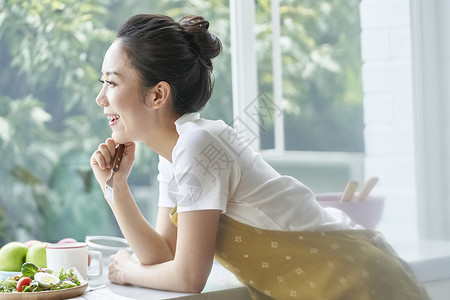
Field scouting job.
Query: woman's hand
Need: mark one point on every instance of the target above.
(102, 161)
(119, 263)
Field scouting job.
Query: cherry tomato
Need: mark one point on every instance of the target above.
(22, 282)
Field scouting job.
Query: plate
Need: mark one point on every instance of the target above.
(47, 295)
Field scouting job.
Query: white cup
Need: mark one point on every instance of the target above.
(107, 245)
(72, 255)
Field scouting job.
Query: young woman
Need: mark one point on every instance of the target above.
(218, 198)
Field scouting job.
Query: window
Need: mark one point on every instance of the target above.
(308, 91)
(316, 46)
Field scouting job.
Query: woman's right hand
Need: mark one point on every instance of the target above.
(102, 161)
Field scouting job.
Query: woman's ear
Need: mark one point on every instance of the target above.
(159, 95)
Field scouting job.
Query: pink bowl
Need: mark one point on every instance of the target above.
(367, 213)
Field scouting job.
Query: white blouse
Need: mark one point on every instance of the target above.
(213, 168)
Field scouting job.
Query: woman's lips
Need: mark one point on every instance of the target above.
(113, 119)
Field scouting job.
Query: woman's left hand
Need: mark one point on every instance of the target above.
(119, 263)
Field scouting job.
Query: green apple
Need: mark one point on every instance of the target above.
(12, 256)
(37, 255)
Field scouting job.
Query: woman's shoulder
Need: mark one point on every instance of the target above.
(202, 131)
(200, 153)
(197, 135)
(212, 137)
(200, 137)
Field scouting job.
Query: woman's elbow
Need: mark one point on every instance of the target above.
(192, 276)
(193, 284)
(191, 279)
(154, 259)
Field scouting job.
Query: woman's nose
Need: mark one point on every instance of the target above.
(101, 98)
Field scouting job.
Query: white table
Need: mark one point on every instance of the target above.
(221, 284)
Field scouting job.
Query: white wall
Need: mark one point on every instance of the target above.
(388, 111)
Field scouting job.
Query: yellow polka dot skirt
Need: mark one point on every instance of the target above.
(347, 265)
(351, 264)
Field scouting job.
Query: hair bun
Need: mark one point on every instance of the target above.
(202, 41)
(194, 23)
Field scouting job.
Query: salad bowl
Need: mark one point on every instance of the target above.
(47, 295)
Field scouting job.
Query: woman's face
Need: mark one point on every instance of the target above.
(121, 97)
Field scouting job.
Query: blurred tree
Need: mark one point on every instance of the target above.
(25, 165)
(50, 61)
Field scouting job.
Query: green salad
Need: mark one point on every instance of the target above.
(34, 279)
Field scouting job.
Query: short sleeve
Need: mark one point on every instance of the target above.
(164, 177)
(202, 168)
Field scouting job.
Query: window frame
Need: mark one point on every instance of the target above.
(432, 142)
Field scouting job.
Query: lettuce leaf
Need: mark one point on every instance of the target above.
(29, 269)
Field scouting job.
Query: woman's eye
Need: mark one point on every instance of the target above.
(110, 83)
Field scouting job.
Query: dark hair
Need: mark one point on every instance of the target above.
(179, 53)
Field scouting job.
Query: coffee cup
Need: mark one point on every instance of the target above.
(71, 255)
(107, 245)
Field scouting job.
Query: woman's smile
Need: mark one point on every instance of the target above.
(113, 119)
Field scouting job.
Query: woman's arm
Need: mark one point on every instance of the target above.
(166, 228)
(149, 246)
(190, 268)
